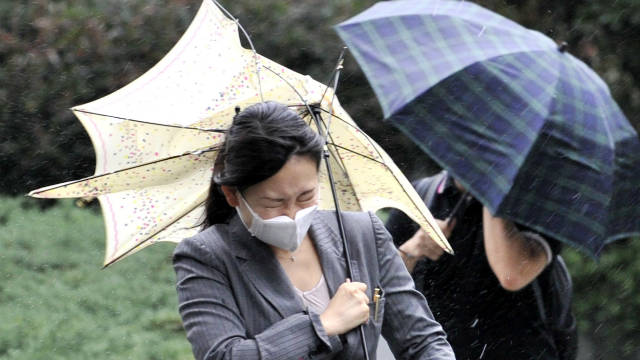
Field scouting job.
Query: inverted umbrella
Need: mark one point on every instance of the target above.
(529, 129)
(156, 140)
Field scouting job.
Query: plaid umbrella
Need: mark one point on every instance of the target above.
(530, 130)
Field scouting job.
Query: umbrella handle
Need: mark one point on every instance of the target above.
(460, 206)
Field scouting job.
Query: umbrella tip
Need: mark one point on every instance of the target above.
(563, 47)
(237, 109)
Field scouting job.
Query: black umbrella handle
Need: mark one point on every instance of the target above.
(461, 205)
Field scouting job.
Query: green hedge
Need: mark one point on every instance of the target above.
(606, 298)
(57, 303)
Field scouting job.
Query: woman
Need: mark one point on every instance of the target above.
(266, 278)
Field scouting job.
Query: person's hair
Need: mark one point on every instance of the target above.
(261, 139)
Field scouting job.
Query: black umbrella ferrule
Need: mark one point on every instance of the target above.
(563, 47)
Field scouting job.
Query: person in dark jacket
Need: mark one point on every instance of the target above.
(482, 295)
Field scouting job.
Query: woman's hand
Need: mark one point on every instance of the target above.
(348, 308)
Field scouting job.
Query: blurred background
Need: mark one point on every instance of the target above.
(56, 303)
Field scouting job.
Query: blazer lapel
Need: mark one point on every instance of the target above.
(259, 265)
(262, 269)
(325, 235)
(324, 231)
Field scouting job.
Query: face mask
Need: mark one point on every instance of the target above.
(280, 231)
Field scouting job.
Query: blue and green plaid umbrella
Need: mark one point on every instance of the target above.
(529, 129)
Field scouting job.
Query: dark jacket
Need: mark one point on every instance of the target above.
(482, 320)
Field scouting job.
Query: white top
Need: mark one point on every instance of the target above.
(316, 299)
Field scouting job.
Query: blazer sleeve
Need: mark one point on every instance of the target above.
(213, 322)
(408, 324)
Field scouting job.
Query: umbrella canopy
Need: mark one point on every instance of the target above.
(529, 129)
(156, 140)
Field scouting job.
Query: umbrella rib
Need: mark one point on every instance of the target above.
(152, 123)
(319, 107)
(246, 35)
(338, 157)
(304, 101)
(347, 149)
(195, 152)
(330, 135)
(290, 85)
(355, 152)
(335, 86)
(346, 122)
(344, 169)
(342, 147)
(371, 142)
(333, 73)
(333, 143)
(119, 257)
(339, 160)
(378, 152)
(327, 112)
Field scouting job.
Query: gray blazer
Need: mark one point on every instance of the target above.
(236, 301)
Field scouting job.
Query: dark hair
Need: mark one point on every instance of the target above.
(259, 142)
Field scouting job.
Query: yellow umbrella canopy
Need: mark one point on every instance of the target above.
(156, 140)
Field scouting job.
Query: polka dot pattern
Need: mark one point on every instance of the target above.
(152, 173)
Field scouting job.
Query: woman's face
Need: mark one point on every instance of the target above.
(291, 189)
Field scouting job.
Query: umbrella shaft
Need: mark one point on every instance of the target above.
(316, 116)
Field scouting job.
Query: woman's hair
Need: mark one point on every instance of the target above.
(261, 139)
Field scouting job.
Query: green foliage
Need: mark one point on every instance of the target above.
(57, 54)
(57, 303)
(606, 298)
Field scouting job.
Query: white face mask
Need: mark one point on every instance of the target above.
(280, 231)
